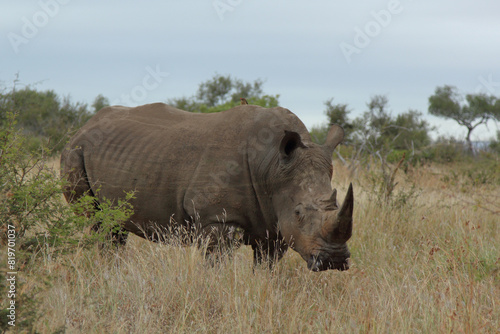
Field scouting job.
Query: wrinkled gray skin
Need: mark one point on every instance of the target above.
(249, 167)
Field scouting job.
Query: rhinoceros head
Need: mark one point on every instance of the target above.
(309, 217)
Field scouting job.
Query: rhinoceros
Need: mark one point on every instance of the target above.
(248, 168)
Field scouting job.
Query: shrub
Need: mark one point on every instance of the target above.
(44, 117)
(45, 226)
(31, 199)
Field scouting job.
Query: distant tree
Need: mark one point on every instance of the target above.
(339, 114)
(379, 116)
(477, 109)
(185, 103)
(5, 105)
(375, 133)
(252, 90)
(378, 129)
(44, 117)
(409, 131)
(215, 91)
(371, 129)
(318, 133)
(336, 114)
(99, 103)
(37, 110)
(224, 92)
(495, 144)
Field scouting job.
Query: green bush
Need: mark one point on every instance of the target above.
(31, 200)
(44, 118)
(31, 203)
(396, 155)
(445, 150)
(495, 144)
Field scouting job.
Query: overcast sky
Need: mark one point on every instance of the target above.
(140, 52)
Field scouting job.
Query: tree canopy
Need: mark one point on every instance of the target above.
(224, 92)
(45, 117)
(376, 129)
(336, 113)
(470, 112)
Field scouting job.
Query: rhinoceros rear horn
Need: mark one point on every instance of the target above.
(333, 138)
(331, 203)
(341, 227)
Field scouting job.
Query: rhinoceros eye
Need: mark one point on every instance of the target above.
(299, 214)
(298, 210)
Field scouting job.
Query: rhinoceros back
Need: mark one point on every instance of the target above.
(176, 162)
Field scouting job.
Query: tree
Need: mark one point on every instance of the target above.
(100, 102)
(474, 110)
(185, 103)
(246, 89)
(378, 129)
(375, 132)
(372, 128)
(409, 131)
(215, 91)
(222, 93)
(495, 144)
(336, 114)
(339, 114)
(44, 117)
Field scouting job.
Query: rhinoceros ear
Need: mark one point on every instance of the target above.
(289, 143)
(333, 138)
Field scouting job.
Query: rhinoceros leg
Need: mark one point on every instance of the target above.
(270, 251)
(220, 240)
(117, 237)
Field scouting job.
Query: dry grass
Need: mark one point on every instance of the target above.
(430, 266)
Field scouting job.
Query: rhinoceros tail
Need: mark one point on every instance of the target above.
(78, 185)
(73, 170)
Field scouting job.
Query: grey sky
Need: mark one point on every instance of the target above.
(405, 49)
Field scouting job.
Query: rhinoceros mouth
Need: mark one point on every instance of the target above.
(319, 263)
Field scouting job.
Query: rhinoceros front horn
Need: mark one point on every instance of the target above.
(341, 228)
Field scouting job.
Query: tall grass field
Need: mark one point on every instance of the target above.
(426, 260)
